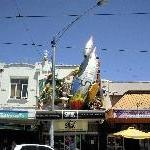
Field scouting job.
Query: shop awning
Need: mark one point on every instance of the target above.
(132, 107)
(133, 100)
(133, 133)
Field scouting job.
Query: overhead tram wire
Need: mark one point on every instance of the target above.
(62, 32)
(24, 44)
(69, 47)
(24, 24)
(125, 50)
(74, 15)
(26, 27)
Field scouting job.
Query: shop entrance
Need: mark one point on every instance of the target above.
(68, 142)
(131, 143)
(78, 142)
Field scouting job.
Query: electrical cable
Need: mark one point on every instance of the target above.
(26, 28)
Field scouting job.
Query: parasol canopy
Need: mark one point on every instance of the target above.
(133, 133)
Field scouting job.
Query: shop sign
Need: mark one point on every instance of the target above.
(70, 125)
(70, 114)
(131, 113)
(13, 114)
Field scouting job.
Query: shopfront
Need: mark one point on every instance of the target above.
(17, 125)
(132, 110)
(75, 134)
(79, 141)
(120, 143)
(73, 129)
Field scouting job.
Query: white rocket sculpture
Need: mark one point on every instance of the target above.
(86, 76)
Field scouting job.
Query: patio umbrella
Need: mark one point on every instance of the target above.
(133, 133)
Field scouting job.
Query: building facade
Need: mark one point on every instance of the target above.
(19, 105)
(21, 86)
(31, 101)
(23, 113)
(19, 95)
(130, 108)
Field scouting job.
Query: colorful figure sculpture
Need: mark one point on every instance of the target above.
(86, 79)
(82, 90)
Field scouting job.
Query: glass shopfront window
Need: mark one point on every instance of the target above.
(145, 144)
(78, 142)
(115, 143)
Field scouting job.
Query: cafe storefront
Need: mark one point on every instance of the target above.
(132, 110)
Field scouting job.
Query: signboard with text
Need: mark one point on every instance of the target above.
(70, 125)
(13, 114)
(132, 113)
(70, 114)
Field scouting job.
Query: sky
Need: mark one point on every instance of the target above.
(120, 28)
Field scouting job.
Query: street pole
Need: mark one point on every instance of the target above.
(53, 44)
(56, 38)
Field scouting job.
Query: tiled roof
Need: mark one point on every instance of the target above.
(133, 101)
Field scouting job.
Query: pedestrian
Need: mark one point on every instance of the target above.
(13, 145)
(5, 144)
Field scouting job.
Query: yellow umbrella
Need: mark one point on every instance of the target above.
(133, 133)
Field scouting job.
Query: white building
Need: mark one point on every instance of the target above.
(19, 92)
(19, 83)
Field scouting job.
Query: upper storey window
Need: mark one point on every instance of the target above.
(19, 88)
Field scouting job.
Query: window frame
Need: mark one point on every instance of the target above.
(20, 81)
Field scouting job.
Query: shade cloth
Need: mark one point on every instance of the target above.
(133, 133)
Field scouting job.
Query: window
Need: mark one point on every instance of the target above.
(44, 148)
(19, 88)
(29, 148)
(115, 143)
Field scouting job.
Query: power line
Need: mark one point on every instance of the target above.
(75, 15)
(33, 43)
(124, 50)
(70, 47)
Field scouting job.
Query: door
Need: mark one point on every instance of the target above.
(89, 142)
(59, 142)
(72, 142)
(68, 142)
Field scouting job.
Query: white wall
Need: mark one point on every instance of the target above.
(19, 71)
(121, 87)
(63, 71)
(33, 73)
